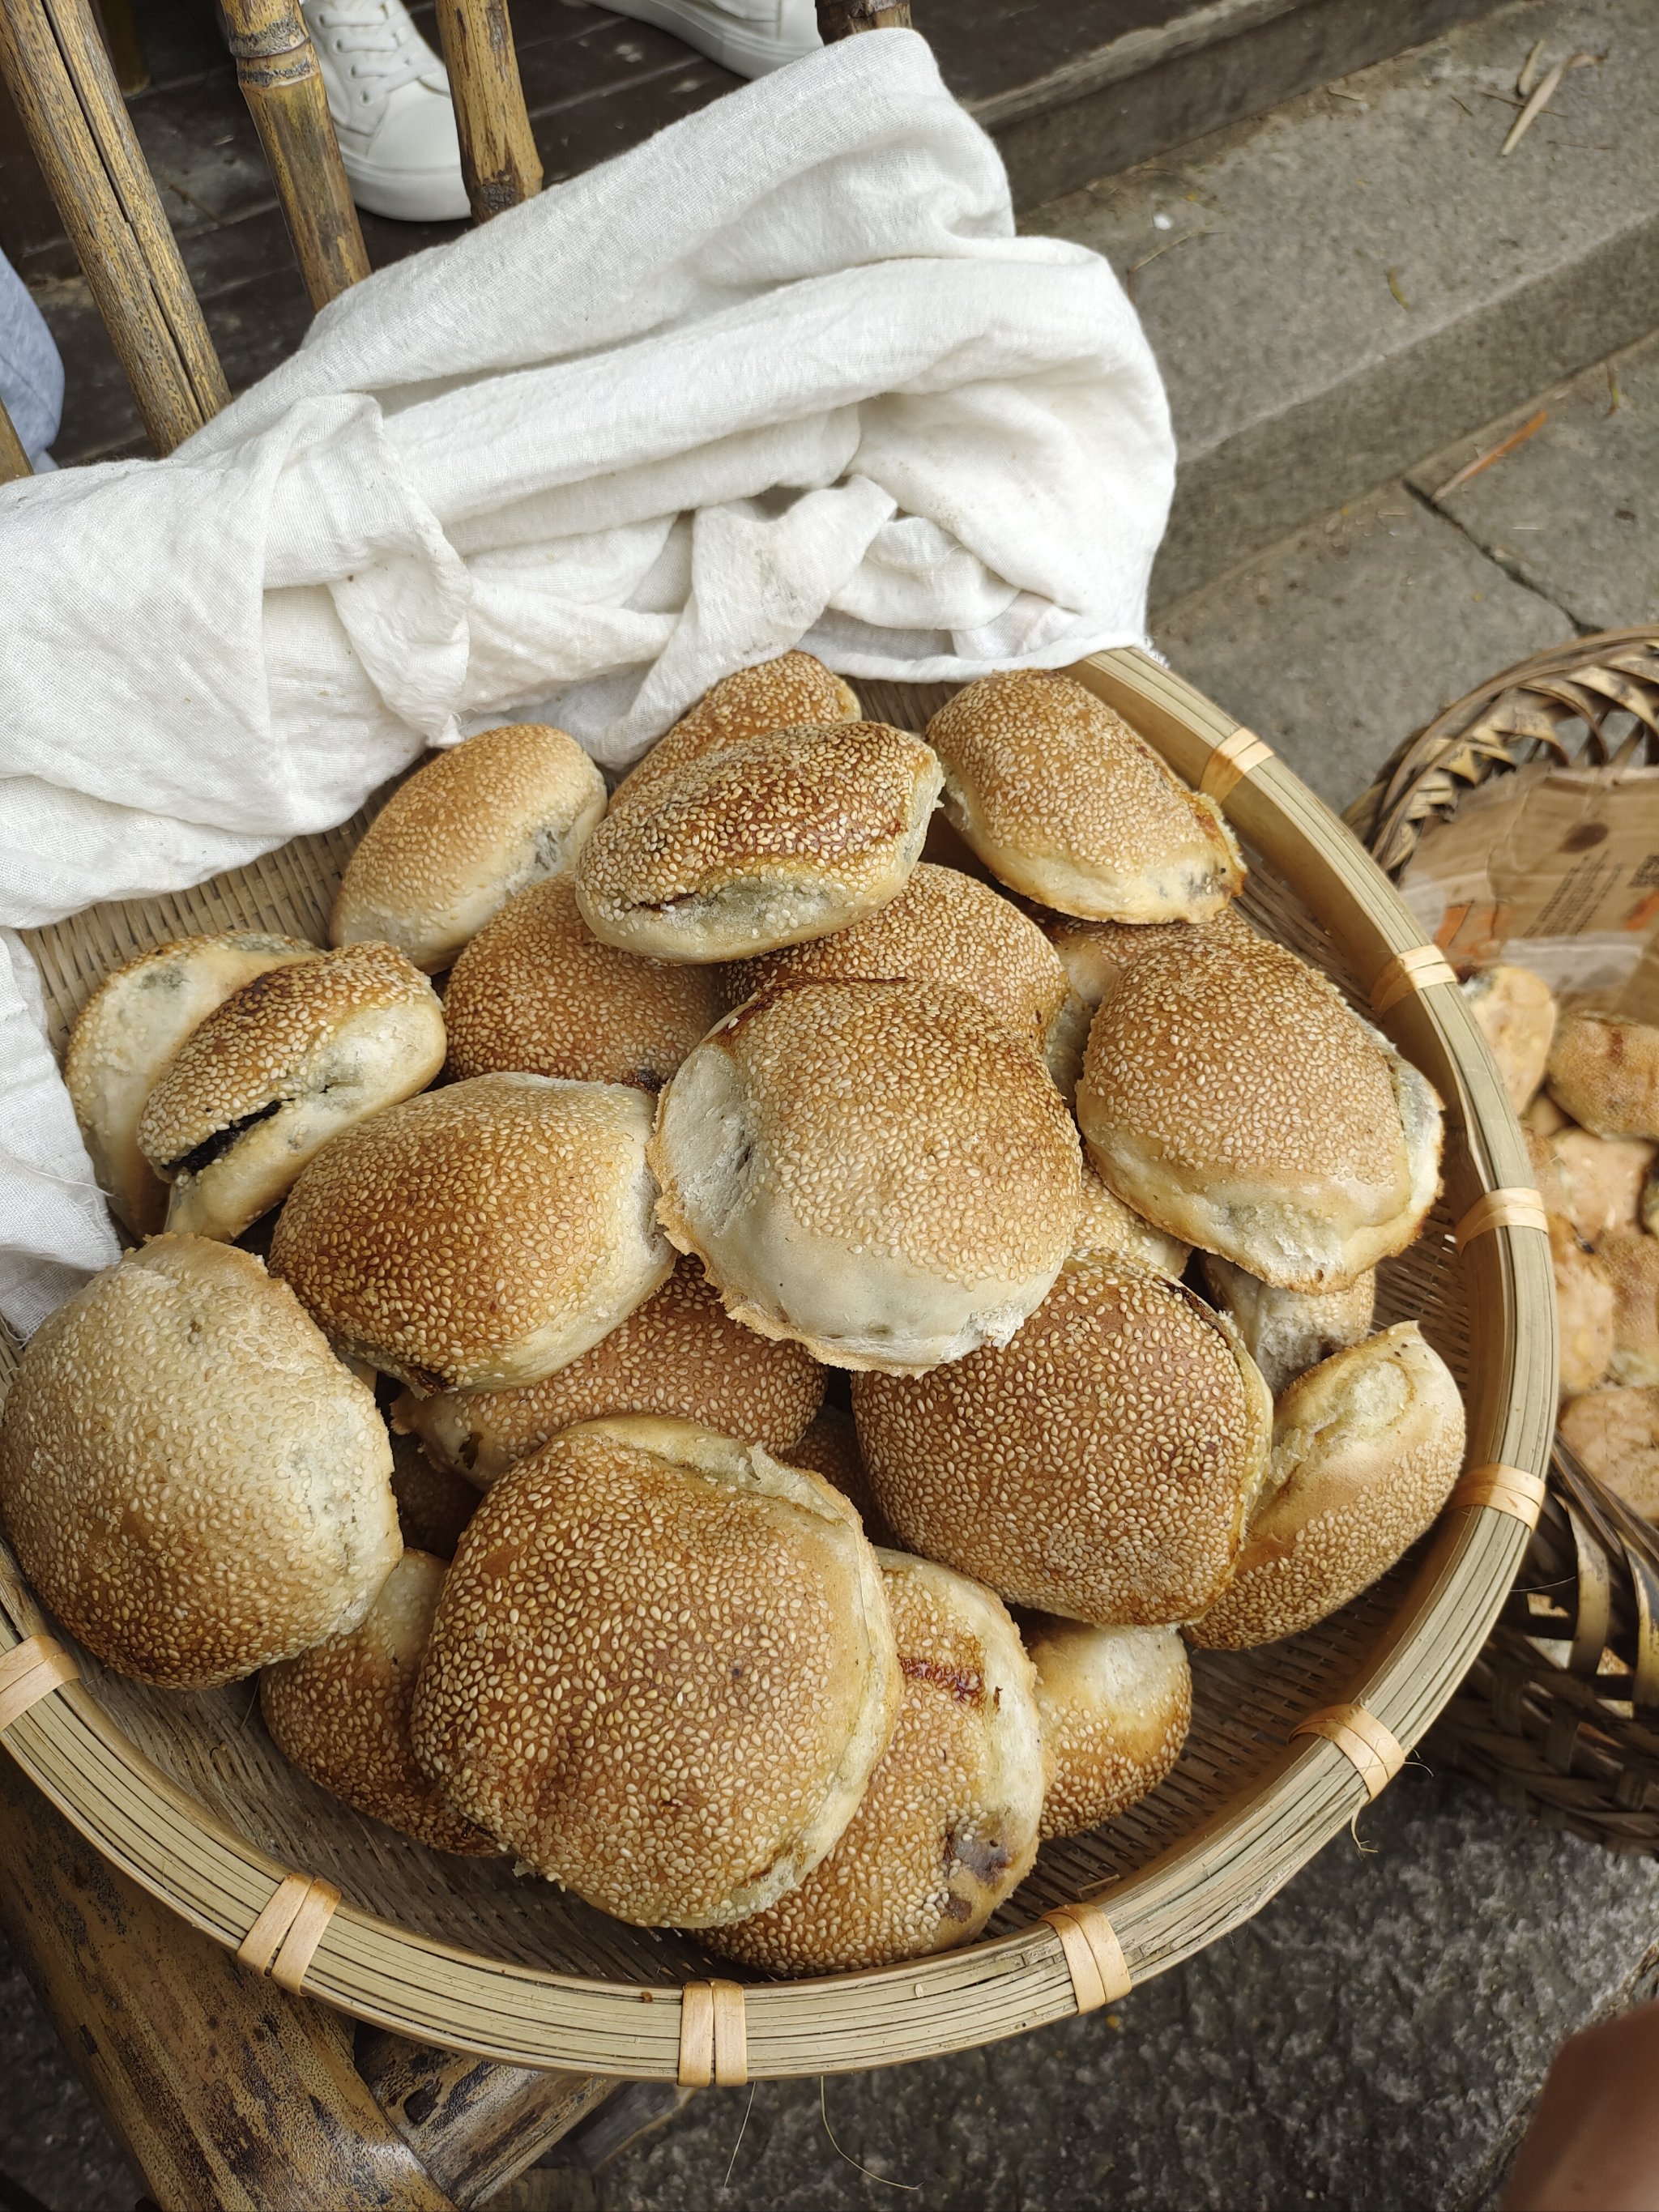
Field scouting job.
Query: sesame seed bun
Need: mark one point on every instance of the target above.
(434, 1504)
(762, 844)
(1230, 1096)
(662, 1671)
(1107, 1229)
(1596, 1181)
(1605, 1073)
(792, 692)
(1099, 1467)
(1543, 1117)
(1287, 1331)
(536, 990)
(1583, 1308)
(1515, 1012)
(1615, 1431)
(881, 1171)
(296, 1056)
(829, 1447)
(1113, 1705)
(124, 1039)
(340, 1711)
(1366, 1448)
(1630, 1259)
(1061, 800)
(481, 1236)
(943, 927)
(676, 1355)
(1097, 955)
(948, 1826)
(470, 828)
(191, 1480)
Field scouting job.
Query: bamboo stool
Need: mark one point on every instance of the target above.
(227, 2094)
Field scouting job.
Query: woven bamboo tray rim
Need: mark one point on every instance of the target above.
(1205, 1883)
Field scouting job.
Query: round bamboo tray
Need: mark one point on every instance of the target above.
(1559, 1714)
(186, 1792)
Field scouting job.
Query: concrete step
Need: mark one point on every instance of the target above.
(1359, 278)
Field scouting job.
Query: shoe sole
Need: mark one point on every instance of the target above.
(406, 197)
(727, 41)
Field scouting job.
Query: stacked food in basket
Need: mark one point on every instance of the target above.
(523, 1467)
(1586, 1085)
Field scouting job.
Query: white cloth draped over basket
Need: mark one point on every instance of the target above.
(784, 375)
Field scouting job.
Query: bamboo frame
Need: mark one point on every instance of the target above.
(59, 77)
(1209, 1882)
(498, 151)
(277, 69)
(13, 461)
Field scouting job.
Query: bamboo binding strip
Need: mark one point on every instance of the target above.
(714, 2036)
(1376, 1751)
(1514, 1490)
(1420, 968)
(1513, 1207)
(283, 1939)
(1233, 759)
(1094, 1957)
(32, 1670)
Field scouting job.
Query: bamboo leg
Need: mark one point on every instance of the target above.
(498, 153)
(276, 68)
(840, 19)
(13, 461)
(472, 2124)
(59, 77)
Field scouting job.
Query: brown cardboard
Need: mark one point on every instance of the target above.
(1556, 869)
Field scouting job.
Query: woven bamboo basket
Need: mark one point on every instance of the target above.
(1559, 1714)
(186, 1794)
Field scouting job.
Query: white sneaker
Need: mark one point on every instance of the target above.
(389, 97)
(748, 37)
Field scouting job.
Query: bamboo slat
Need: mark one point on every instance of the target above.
(841, 19)
(60, 80)
(13, 461)
(187, 1798)
(276, 68)
(498, 150)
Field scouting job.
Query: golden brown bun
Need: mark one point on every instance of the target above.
(296, 1056)
(1097, 955)
(662, 1671)
(1596, 1181)
(1106, 1228)
(341, 1711)
(191, 1480)
(881, 1171)
(762, 844)
(124, 1039)
(1061, 800)
(467, 831)
(676, 1355)
(1287, 1331)
(1616, 1433)
(1113, 1705)
(948, 1826)
(1366, 1448)
(481, 1236)
(1231, 1096)
(1544, 1117)
(1605, 1073)
(1630, 1260)
(1515, 1012)
(829, 1447)
(536, 990)
(434, 1504)
(793, 692)
(943, 927)
(1099, 1467)
(1583, 1309)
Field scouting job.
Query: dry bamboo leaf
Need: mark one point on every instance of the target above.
(1485, 461)
(1536, 103)
(1393, 286)
(1523, 84)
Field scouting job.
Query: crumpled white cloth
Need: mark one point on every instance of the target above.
(784, 375)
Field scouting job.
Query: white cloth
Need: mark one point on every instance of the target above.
(782, 374)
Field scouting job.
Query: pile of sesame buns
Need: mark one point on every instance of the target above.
(769, 1350)
(1586, 1087)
